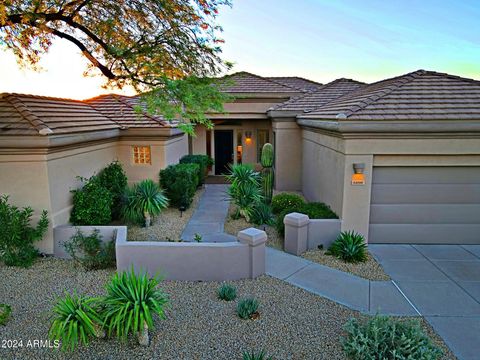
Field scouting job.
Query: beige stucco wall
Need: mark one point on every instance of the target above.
(288, 155)
(328, 160)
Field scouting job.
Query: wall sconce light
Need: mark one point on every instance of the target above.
(358, 178)
(248, 137)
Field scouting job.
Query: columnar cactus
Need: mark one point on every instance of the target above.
(267, 172)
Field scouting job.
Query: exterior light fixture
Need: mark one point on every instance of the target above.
(358, 168)
(248, 137)
(358, 178)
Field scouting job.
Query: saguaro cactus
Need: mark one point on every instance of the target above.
(267, 173)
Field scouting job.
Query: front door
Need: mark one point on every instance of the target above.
(223, 150)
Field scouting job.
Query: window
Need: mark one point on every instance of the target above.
(263, 137)
(239, 147)
(141, 155)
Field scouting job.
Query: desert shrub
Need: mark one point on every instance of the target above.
(76, 321)
(92, 203)
(130, 304)
(90, 251)
(253, 355)
(313, 210)
(143, 201)
(5, 311)
(113, 178)
(261, 214)
(247, 308)
(17, 236)
(180, 183)
(383, 337)
(227, 292)
(286, 201)
(350, 247)
(203, 161)
(245, 189)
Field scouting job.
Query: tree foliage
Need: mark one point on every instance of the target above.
(166, 48)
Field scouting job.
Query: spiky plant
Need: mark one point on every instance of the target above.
(350, 247)
(253, 355)
(76, 321)
(262, 214)
(241, 174)
(247, 308)
(143, 201)
(5, 311)
(245, 197)
(130, 304)
(268, 173)
(227, 292)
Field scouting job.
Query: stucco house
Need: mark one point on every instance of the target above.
(398, 160)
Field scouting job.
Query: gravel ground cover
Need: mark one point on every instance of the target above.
(293, 323)
(167, 225)
(369, 269)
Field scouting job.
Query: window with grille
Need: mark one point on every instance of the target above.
(141, 155)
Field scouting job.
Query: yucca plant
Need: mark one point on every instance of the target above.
(247, 308)
(253, 355)
(227, 292)
(262, 214)
(245, 197)
(76, 320)
(143, 201)
(350, 247)
(241, 174)
(130, 304)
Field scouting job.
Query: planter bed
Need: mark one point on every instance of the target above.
(293, 323)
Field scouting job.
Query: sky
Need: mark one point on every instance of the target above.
(322, 40)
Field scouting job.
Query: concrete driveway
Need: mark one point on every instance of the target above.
(443, 284)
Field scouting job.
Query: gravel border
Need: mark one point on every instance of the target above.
(293, 323)
(166, 226)
(369, 269)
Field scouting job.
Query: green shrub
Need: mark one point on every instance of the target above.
(180, 183)
(227, 292)
(130, 304)
(286, 201)
(313, 210)
(253, 355)
(76, 320)
(383, 337)
(17, 236)
(90, 251)
(113, 178)
(350, 247)
(245, 189)
(247, 308)
(198, 238)
(261, 214)
(5, 311)
(92, 203)
(203, 161)
(143, 201)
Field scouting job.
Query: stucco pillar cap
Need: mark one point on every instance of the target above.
(296, 219)
(252, 237)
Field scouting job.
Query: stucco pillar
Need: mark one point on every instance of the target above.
(256, 240)
(288, 154)
(356, 198)
(296, 233)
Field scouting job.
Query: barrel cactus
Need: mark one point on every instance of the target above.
(267, 172)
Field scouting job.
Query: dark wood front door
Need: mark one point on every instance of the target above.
(223, 150)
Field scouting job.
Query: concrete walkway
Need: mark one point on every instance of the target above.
(209, 217)
(443, 283)
(367, 296)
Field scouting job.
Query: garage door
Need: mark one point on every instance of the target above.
(425, 205)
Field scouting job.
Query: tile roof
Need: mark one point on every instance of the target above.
(22, 114)
(296, 82)
(244, 83)
(420, 95)
(121, 109)
(321, 96)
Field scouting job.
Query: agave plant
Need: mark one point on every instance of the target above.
(130, 304)
(349, 246)
(253, 355)
(243, 174)
(76, 321)
(245, 197)
(143, 201)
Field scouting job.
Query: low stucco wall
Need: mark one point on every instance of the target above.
(303, 233)
(196, 261)
(63, 233)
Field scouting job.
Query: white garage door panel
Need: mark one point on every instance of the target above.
(437, 205)
(424, 214)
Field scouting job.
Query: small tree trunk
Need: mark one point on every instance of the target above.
(148, 219)
(143, 338)
(99, 331)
